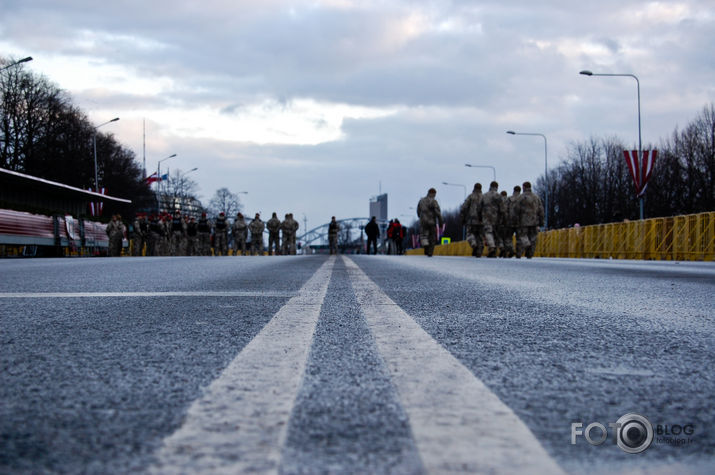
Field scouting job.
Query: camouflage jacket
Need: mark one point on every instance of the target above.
(273, 225)
(257, 226)
(492, 207)
(530, 210)
(239, 228)
(429, 212)
(469, 212)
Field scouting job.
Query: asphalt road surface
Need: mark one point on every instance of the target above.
(359, 364)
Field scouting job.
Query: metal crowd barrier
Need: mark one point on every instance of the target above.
(679, 238)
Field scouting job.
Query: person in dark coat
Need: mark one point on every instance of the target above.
(373, 232)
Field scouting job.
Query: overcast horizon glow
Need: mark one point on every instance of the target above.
(315, 106)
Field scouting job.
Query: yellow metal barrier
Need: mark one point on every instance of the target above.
(682, 238)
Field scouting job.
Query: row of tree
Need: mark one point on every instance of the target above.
(42, 133)
(593, 185)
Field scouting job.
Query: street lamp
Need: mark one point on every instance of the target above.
(158, 170)
(494, 170)
(158, 181)
(457, 184)
(640, 144)
(23, 60)
(546, 172)
(94, 143)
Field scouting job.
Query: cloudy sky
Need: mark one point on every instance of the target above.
(312, 107)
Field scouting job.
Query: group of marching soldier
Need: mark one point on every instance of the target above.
(181, 235)
(491, 219)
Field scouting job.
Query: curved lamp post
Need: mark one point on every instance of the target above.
(94, 143)
(546, 172)
(19, 61)
(494, 170)
(640, 144)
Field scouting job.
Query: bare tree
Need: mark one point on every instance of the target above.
(224, 201)
(179, 186)
(43, 134)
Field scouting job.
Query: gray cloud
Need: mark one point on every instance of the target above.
(458, 73)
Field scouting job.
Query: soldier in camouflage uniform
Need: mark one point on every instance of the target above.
(531, 216)
(257, 227)
(469, 212)
(430, 216)
(512, 221)
(288, 228)
(274, 229)
(115, 231)
(221, 235)
(165, 236)
(333, 230)
(240, 235)
(155, 229)
(501, 227)
(491, 211)
(192, 238)
(141, 233)
(178, 233)
(204, 229)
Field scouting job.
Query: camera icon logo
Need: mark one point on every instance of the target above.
(634, 433)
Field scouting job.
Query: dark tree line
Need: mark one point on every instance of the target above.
(43, 134)
(593, 185)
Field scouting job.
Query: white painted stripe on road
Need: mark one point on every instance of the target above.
(239, 293)
(458, 424)
(240, 423)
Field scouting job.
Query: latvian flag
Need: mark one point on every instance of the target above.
(635, 168)
(154, 178)
(96, 208)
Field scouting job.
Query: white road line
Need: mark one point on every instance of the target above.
(458, 424)
(42, 295)
(240, 423)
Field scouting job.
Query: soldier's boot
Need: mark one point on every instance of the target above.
(492, 252)
(476, 252)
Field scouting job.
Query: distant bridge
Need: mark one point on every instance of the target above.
(348, 227)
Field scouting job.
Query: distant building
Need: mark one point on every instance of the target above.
(378, 208)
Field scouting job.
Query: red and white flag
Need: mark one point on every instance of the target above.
(646, 166)
(95, 208)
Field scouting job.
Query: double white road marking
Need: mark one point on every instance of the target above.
(458, 424)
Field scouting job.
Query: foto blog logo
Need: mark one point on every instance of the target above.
(633, 433)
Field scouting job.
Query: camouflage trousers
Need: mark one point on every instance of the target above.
(204, 244)
(274, 242)
(526, 240)
(152, 248)
(177, 243)
(507, 238)
(333, 240)
(475, 238)
(220, 248)
(428, 237)
(490, 239)
(289, 245)
(192, 246)
(256, 247)
(137, 245)
(239, 243)
(115, 245)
